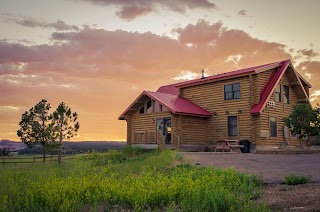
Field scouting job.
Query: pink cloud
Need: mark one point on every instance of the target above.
(130, 10)
(99, 72)
(59, 25)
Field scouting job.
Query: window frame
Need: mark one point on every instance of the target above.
(286, 96)
(232, 92)
(237, 126)
(278, 93)
(270, 127)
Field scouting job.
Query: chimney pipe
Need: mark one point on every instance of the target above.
(202, 74)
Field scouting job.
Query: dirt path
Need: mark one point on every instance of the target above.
(292, 198)
(272, 167)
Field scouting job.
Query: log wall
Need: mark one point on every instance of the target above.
(211, 97)
(280, 111)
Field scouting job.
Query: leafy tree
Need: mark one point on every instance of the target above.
(64, 125)
(304, 121)
(34, 126)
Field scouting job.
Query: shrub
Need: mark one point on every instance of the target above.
(129, 151)
(295, 180)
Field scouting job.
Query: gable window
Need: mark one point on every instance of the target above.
(273, 127)
(141, 111)
(149, 107)
(232, 91)
(277, 93)
(232, 125)
(286, 92)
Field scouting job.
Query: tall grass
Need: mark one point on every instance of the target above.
(131, 181)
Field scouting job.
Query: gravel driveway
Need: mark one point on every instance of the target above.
(273, 167)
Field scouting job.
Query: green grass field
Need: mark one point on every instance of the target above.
(117, 180)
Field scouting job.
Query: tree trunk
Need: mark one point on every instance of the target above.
(308, 140)
(44, 152)
(60, 149)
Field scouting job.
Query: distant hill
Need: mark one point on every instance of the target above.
(12, 145)
(79, 146)
(97, 145)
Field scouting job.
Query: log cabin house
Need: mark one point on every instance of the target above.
(247, 104)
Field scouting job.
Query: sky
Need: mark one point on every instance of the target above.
(97, 56)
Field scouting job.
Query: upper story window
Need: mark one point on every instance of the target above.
(152, 106)
(149, 107)
(141, 111)
(286, 92)
(232, 91)
(277, 93)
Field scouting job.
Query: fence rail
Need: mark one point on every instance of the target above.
(33, 159)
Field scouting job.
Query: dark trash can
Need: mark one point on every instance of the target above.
(246, 146)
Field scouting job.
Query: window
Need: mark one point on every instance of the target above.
(232, 126)
(149, 107)
(141, 110)
(273, 127)
(286, 91)
(277, 93)
(293, 134)
(232, 91)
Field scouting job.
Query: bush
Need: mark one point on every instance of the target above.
(111, 157)
(295, 180)
(129, 151)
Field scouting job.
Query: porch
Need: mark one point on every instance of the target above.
(152, 139)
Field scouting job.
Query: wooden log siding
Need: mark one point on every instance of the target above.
(144, 122)
(129, 140)
(211, 97)
(194, 130)
(280, 111)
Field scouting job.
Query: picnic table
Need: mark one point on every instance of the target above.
(228, 145)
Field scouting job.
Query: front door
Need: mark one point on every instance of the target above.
(164, 127)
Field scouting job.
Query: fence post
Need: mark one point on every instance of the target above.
(4, 160)
(34, 158)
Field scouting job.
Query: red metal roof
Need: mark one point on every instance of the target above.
(218, 77)
(269, 87)
(178, 105)
(170, 89)
(174, 103)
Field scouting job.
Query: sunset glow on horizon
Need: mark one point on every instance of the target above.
(97, 56)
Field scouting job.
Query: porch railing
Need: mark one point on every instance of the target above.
(155, 137)
(175, 141)
(161, 140)
(145, 137)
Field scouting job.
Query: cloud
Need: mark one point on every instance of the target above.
(99, 72)
(242, 13)
(59, 25)
(129, 10)
(308, 53)
(310, 70)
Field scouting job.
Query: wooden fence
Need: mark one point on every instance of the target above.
(30, 159)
